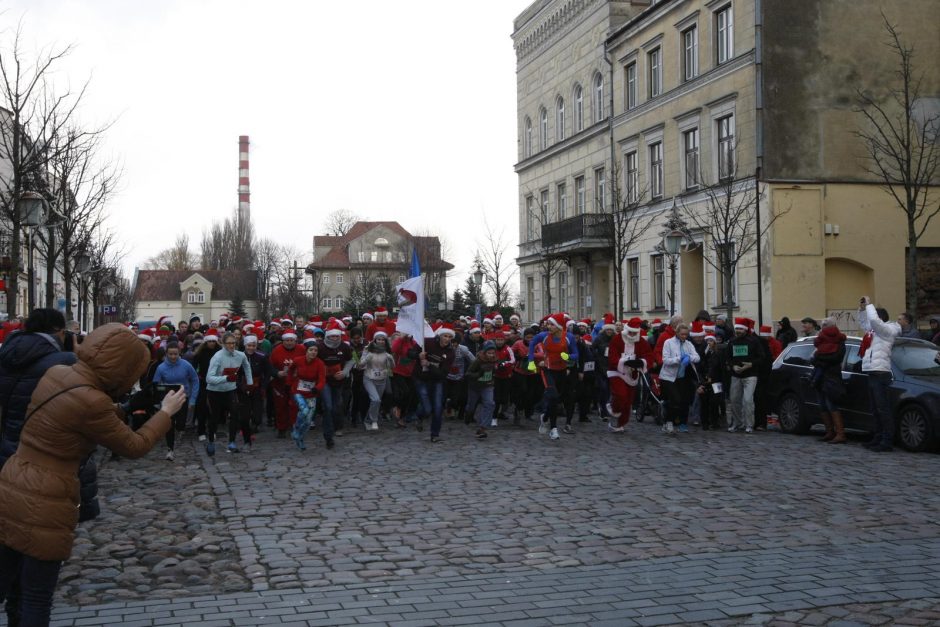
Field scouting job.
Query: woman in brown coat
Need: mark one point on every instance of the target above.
(71, 412)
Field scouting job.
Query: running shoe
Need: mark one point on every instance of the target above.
(683, 428)
(231, 448)
(169, 455)
(210, 449)
(202, 438)
(612, 429)
(553, 434)
(670, 428)
(543, 425)
(567, 429)
(748, 430)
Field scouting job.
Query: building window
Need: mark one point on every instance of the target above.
(725, 146)
(328, 302)
(401, 278)
(562, 291)
(361, 277)
(600, 190)
(631, 86)
(724, 32)
(633, 274)
(374, 256)
(543, 129)
(631, 182)
(201, 297)
(690, 142)
(656, 170)
(579, 200)
(191, 297)
(339, 277)
(527, 138)
(598, 97)
(561, 200)
(578, 108)
(727, 251)
(530, 293)
(560, 118)
(326, 279)
(655, 63)
(339, 302)
(658, 264)
(544, 207)
(530, 218)
(690, 53)
(362, 256)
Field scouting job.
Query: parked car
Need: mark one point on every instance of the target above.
(915, 391)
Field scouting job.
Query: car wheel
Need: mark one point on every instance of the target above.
(790, 413)
(914, 431)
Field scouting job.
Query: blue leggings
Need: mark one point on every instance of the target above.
(305, 409)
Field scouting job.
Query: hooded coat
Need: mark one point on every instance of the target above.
(72, 411)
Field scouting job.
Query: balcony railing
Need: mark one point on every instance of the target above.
(592, 229)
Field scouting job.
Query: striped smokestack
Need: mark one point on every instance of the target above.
(244, 193)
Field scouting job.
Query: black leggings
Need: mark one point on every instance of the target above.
(678, 397)
(179, 423)
(225, 405)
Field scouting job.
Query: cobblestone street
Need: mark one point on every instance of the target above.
(645, 529)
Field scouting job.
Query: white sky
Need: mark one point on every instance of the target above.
(395, 110)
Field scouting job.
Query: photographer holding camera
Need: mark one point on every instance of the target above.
(71, 412)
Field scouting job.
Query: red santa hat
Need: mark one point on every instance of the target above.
(586, 322)
(164, 320)
(317, 321)
(285, 321)
(741, 323)
(380, 334)
(347, 320)
(331, 329)
(633, 325)
(507, 330)
(609, 322)
(766, 331)
(445, 328)
(367, 316)
(515, 317)
(556, 320)
(288, 335)
(146, 335)
(381, 311)
(259, 324)
(475, 327)
(710, 335)
(487, 320)
(275, 323)
(212, 335)
(698, 329)
(250, 339)
(708, 326)
(587, 339)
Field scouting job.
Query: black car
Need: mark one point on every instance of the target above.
(915, 391)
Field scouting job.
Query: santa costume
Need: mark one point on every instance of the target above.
(628, 356)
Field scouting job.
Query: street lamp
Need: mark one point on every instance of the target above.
(82, 265)
(31, 207)
(478, 276)
(108, 290)
(676, 240)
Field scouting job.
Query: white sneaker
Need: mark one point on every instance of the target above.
(612, 429)
(670, 429)
(543, 425)
(749, 430)
(169, 455)
(375, 426)
(493, 422)
(202, 438)
(664, 429)
(553, 435)
(732, 429)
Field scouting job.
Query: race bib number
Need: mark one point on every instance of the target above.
(486, 377)
(716, 387)
(376, 373)
(606, 352)
(739, 350)
(589, 366)
(305, 386)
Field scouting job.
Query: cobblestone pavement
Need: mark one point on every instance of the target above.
(708, 527)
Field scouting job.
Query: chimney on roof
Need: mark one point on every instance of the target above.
(244, 193)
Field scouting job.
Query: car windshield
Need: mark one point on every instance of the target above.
(916, 360)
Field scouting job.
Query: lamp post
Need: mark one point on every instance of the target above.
(31, 207)
(82, 265)
(676, 240)
(478, 276)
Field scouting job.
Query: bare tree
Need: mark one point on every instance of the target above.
(287, 276)
(267, 258)
(550, 260)
(32, 118)
(729, 220)
(497, 266)
(628, 225)
(902, 143)
(229, 245)
(340, 222)
(176, 257)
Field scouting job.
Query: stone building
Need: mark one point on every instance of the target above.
(661, 102)
(359, 270)
(181, 294)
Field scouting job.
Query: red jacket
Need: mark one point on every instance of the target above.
(281, 356)
(306, 378)
(388, 327)
(404, 364)
(504, 362)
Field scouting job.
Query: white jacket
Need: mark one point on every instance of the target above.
(878, 355)
(672, 355)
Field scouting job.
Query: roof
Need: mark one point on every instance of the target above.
(165, 284)
(338, 255)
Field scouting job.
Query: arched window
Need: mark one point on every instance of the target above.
(559, 119)
(527, 138)
(578, 109)
(543, 128)
(598, 97)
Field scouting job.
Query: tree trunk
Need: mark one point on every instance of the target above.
(13, 285)
(911, 295)
(729, 292)
(51, 255)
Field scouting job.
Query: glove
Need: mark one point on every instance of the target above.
(685, 359)
(531, 367)
(565, 356)
(231, 377)
(634, 363)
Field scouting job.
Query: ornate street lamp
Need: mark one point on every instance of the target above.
(676, 240)
(31, 206)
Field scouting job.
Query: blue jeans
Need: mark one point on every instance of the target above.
(28, 586)
(305, 409)
(483, 394)
(334, 406)
(879, 385)
(431, 399)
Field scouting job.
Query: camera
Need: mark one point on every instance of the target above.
(140, 406)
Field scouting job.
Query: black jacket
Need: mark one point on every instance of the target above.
(24, 359)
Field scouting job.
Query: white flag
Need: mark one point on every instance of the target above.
(411, 310)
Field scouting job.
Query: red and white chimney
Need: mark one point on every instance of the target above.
(244, 193)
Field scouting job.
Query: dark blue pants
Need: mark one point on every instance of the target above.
(431, 397)
(879, 385)
(27, 585)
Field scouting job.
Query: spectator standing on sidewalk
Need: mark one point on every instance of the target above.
(908, 327)
(677, 379)
(876, 363)
(827, 379)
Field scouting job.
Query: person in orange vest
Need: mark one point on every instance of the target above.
(561, 350)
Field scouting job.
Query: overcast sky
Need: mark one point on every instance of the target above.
(395, 110)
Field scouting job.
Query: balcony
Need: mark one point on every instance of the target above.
(588, 231)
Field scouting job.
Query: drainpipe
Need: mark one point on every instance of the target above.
(759, 147)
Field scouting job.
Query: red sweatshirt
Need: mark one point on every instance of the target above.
(307, 378)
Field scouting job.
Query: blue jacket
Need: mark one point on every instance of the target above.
(181, 372)
(216, 379)
(24, 359)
